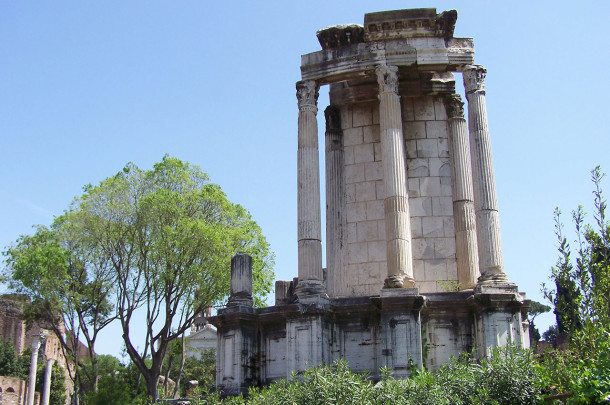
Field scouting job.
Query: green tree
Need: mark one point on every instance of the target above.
(565, 297)
(168, 236)
(582, 298)
(201, 369)
(536, 308)
(11, 364)
(117, 384)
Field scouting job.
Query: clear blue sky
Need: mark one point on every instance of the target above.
(86, 87)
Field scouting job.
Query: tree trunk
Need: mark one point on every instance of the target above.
(139, 380)
(166, 382)
(177, 387)
(151, 386)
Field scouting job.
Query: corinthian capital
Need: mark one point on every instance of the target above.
(307, 94)
(454, 106)
(332, 114)
(474, 78)
(387, 77)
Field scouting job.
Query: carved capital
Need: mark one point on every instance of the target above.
(332, 114)
(307, 94)
(474, 78)
(387, 77)
(340, 35)
(454, 106)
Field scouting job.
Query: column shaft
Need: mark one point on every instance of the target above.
(463, 197)
(486, 202)
(32, 374)
(46, 392)
(335, 201)
(308, 167)
(396, 202)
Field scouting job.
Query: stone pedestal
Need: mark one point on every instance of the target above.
(308, 167)
(237, 353)
(237, 347)
(401, 330)
(396, 202)
(498, 319)
(307, 343)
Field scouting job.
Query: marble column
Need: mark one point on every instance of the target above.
(46, 392)
(335, 200)
(36, 341)
(486, 202)
(308, 174)
(463, 198)
(396, 201)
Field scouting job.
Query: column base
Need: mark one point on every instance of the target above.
(494, 282)
(311, 292)
(240, 300)
(399, 282)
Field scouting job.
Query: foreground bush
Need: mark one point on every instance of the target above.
(510, 376)
(583, 370)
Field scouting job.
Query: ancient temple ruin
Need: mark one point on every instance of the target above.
(414, 270)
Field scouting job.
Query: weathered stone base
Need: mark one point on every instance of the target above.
(400, 329)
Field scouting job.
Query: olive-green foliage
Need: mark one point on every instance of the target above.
(582, 306)
(168, 235)
(117, 386)
(201, 369)
(510, 376)
(584, 369)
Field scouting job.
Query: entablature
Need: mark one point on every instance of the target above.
(419, 39)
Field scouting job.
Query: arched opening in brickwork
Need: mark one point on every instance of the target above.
(10, 389)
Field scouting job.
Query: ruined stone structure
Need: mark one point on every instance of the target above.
(14, 329)
(414, 270)
(12, 391)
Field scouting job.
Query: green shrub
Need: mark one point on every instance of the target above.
(584, 369)
(510, 376)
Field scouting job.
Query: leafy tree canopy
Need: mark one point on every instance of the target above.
(167, 235)
(149, 248)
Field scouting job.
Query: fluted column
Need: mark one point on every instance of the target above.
(308, 167)
(46, 391)
(463, 198)
(335, 200)
(396, 202)
(486, 202)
